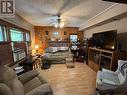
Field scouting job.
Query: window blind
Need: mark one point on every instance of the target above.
(16, 35)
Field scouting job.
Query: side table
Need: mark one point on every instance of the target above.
(69, 62)
(37, 63)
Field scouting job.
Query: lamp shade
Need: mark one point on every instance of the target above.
(36, 46)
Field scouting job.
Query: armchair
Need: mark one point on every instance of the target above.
(30, 83)
(113, 82)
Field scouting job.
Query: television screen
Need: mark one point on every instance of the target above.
(106, 40)
(122, 41)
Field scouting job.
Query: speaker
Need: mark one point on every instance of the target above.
(47, 32)
(119, 47)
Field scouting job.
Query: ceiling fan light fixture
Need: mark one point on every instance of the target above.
(59, 22)
(56, 25)
(61, 25)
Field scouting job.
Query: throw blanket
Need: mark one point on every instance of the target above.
(55, 49)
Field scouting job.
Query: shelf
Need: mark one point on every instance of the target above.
(106, 56)
(102, 50)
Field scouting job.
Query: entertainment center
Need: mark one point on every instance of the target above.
(102, 58)
(103, 52)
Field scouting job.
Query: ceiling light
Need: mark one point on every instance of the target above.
(59, 24)
(56, 25)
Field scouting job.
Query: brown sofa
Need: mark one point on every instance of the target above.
(29, 83)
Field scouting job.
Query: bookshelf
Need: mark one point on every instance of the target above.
(102, 58)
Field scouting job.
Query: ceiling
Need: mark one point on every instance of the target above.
(76, 12)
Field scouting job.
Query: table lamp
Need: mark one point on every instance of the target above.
(36, 48)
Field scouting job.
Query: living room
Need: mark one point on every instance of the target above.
(63, 47)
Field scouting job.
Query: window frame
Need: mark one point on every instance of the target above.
(26, 37)
(4, 33)
(18, 31)
(73, 34)
(56, 33)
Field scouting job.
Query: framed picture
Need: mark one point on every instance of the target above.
(65, 33)
(47, 32)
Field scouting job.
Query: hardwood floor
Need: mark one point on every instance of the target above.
(70, 81)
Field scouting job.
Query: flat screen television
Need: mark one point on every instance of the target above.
(105, 40)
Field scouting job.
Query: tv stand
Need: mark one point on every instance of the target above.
(102, 58)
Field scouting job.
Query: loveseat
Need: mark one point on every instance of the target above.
(29, 83)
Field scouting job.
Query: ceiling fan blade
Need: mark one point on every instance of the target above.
(69, 5)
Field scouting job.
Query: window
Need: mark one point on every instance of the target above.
(3, 36)
(55, 33)
(16, 35)
(73, 38)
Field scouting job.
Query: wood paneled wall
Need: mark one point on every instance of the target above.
(6, 53)
(42, 39)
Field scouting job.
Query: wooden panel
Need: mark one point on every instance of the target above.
(20, 45)
(41, 37)
(6, 53)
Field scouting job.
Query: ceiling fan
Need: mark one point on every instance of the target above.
(59, 22)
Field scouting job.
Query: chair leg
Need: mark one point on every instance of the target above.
(105, 92)
(97, 92)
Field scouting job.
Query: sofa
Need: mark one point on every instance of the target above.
(29, 83)
(57, 57)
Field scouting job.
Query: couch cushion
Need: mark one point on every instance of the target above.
(57, 56)
(122, 68)
(5, 90)
(17, 87)
(44, 89)
(6, 75)
(42, 79)
(9, 78)
(32, 84)
(110, 77)
(25, 77)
